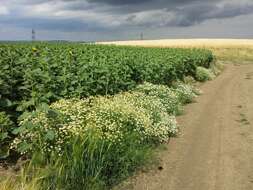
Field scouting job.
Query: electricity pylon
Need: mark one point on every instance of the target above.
(33, 35)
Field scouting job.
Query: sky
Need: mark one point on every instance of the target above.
(107, 20)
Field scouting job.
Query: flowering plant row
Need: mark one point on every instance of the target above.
(148, 111)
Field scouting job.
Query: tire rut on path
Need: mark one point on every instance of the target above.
(215, 148)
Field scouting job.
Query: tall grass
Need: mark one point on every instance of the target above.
(89, 163)
(94, 159)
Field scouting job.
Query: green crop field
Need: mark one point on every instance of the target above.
(31, 74)
(88, 115)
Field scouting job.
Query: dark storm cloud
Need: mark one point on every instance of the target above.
(134, 2)
(186, 12)
(130, 6)
(112, 15)
(122, 2)
(191, 15)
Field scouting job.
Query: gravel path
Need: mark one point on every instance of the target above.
(215, 148)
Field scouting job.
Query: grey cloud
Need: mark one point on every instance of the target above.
(189, 15)
(66, 25)
(136, 2)
(197, 14)
(187, 12)
(127, 14)
(121, 2)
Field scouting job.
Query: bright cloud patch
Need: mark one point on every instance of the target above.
(4, 10)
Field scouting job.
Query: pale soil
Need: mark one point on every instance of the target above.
(215, 148)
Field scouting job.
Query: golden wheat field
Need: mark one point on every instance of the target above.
(224, 49)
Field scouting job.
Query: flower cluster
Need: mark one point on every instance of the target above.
(148, 112)
(186, 93)
(168, 97)
(161, 125)
(50, 130)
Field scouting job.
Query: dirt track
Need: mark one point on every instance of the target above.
(215, 149)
